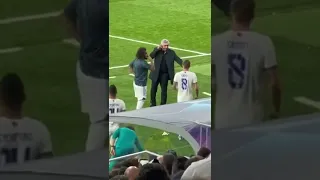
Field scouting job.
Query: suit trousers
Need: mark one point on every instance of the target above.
(163, 79)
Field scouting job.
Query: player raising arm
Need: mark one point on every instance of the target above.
(21, 138)
(185, 81)
(139, 67)
(241, 59)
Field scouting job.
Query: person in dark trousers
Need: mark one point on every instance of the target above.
(88, 22)
(164, 58)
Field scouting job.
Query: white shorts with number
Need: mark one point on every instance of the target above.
(140, 92)
(93, 95)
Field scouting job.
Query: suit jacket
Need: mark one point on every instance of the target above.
(171, 56)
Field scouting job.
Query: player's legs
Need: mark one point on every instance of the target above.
(164, 78)
(141, 94)
(97, 135)
(153, 92)
(94, 102)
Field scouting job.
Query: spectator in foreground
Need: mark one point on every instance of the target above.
(199, 170)
(153, 171)
(168, 160)
(119, 177)
(178, 168)
(192, 160)
(204, 152)
(132, 172)
(126, 142)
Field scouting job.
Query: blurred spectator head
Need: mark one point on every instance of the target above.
(168, 160)
(179, 164)
(119, 177)
(173, 152)
(153, 171)
(191, 160)
(204, 152)
(132, 172)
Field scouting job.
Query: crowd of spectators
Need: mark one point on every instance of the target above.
(169, 166)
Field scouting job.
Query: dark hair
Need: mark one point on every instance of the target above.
(12, 91)
(192, 160)
(168, 160)
(243, 10)
(153, 171)
(119, 177)
(204, 152)
(127, 163)
(179, 164)
(173, 152)
(114, 172)
(113, 90)
(186, 63)
(141, 53)
(131, 127)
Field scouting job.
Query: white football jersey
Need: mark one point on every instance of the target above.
(116, 106)
(241, 59)
(185, 81)
(22, 140)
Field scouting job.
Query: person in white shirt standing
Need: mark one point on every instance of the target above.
(185, 82)
(21, 138)
(115, 106)
(242, 62)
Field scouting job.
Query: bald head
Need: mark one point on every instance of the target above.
(131, 172)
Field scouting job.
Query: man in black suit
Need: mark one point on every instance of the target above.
(164, 58)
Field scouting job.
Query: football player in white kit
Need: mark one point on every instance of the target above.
(88, 22)
(184, 82)
(21, 138)
(243, 65)
(115, 106)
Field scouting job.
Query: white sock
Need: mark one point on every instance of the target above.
(140, 104)
(97, 136)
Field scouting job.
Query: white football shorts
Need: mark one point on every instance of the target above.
(140, 92)
(94, 95)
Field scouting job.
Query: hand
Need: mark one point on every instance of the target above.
(112, 151)
(159, 47)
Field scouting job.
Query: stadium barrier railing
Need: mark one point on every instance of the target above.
(151, 154)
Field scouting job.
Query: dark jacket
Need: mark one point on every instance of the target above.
(171, 56)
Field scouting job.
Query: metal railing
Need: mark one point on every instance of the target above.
(134, 154)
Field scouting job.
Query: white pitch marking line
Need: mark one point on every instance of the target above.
(112, 77)
(131, 75)
(10, 50)
(186, 57)
(58, 13)
(308, 102)
(144, 42)
(75, 43)
(30, 17)
(205, 93)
